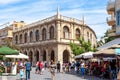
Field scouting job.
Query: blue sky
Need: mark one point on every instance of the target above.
(94, 11)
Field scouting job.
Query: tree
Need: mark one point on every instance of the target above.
(82, 47)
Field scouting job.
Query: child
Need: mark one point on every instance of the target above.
(22, 73)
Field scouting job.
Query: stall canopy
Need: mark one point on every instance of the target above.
(110, 44)
(85, 55)
(105, 53)
(4, 50)
(20, 55)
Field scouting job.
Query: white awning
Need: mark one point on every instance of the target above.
(20, 55)
(85, 55)
(110, 44)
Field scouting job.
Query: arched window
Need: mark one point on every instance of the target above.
(77, 33)
(31, 36)
(51, 32)
(25, 37)
(20, 38)
(66, 32)
(37, 35)
(44, 34)
(16, 39)
(44, 56)
(88, 35)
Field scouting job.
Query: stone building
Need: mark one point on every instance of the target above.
(49, 39)
(6, 33)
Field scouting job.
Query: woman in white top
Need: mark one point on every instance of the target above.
(82, 68)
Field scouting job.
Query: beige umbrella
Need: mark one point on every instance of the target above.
(105, 53)
(115, 46)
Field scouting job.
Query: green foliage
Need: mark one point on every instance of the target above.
(82, 47)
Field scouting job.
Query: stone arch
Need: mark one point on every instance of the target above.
(21, 38)
(37, 55)
(37, 35)
(30, 56)
(25, 52)
(44, 35)
(31, 36)
(65, 32)
(77, 33)
(51, 31)
(44, 55)
(52, 56)
(66, 56)
(16, 39)
(25, 38)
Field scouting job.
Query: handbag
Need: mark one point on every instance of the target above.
(118, 75)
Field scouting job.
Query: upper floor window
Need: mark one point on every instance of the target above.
(88, 35)
(16, 39)
(65, 32)
(31, 36)
(20, 38)
(25, 37)
(118, 18)
(51, 32)
(77, 33)
(44, 34)
(37, 35)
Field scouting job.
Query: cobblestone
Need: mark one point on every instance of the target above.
(59, 76)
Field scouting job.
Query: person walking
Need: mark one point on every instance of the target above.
(58, 66)
(82, 68)
(28, 69)
(52, 70)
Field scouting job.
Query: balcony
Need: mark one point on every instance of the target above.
(111, 6)
(111, 21)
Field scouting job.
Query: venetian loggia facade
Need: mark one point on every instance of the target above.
(49, 39)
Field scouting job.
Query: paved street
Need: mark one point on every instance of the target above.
(47, 76)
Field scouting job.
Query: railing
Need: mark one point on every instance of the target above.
(48, 20)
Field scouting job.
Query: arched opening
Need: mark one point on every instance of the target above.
(77, 33)
(31, 36)
(25, 52)
(37, 56)
(52, 56)
(66, 56)
(51, 32)
(44, 34)
(44, 56)
(16, 39)
(66, 32)
(20, 38)
(30, 56)
(25, 37)
(37, 35)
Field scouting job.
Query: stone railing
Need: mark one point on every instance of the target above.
(69, 19)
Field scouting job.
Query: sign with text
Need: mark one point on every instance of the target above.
(117, 51)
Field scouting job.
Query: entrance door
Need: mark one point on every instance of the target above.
(66, 56)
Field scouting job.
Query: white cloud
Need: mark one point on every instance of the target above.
(42, 9)
(8, 1)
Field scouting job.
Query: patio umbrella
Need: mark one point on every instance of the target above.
(20, 55)
(105, 53)
(4, 50)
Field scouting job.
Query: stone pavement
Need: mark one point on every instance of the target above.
(47, 76)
